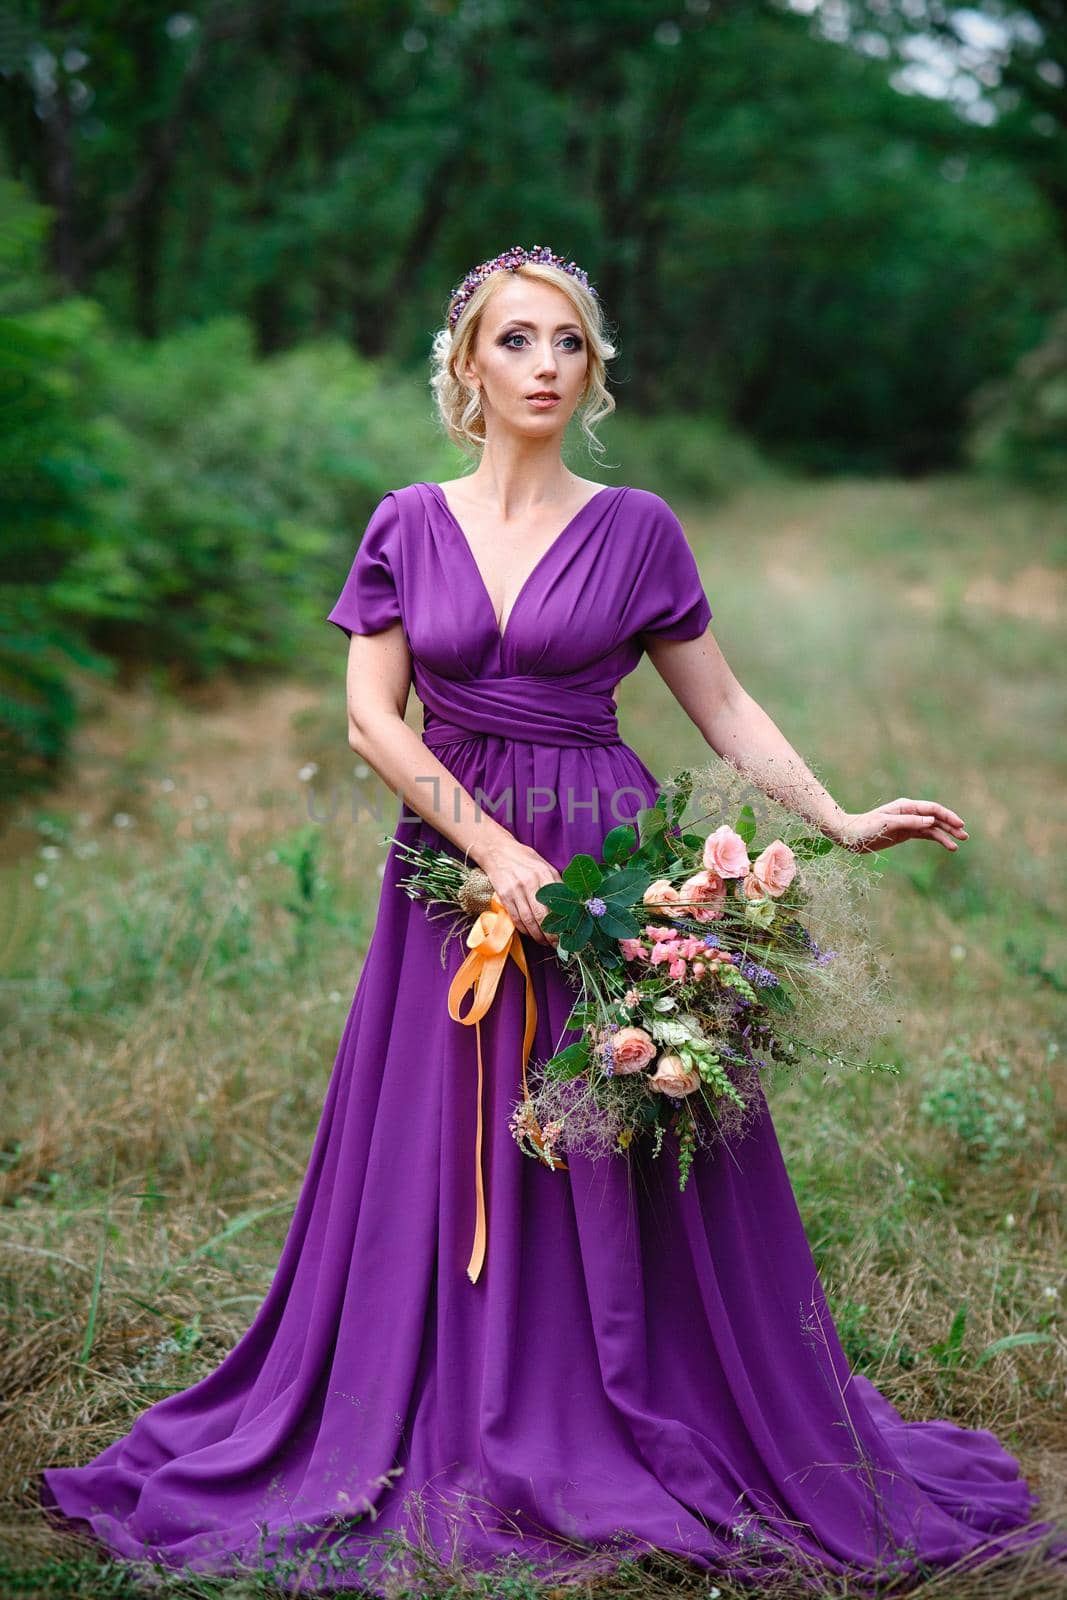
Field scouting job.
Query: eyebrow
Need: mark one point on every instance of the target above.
(515, 322)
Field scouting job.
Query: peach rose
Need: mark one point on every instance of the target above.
(632, 1050)
(673, 1077)
(703, 896)
(726, 853)
(662, 890)
(775, 867)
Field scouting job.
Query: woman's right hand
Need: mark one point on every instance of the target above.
(517, 872)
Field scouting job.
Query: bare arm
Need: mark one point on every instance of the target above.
(738, 729)
(378, 685)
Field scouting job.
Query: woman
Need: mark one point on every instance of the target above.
(616, 1363)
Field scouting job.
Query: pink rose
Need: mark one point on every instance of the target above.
(726, 853)
(752, 888)
(677, 968)
(699, 969)
(672, 1077)
(775, 867)
(704, 895)
(660, 891)
(633, 1049)
(632, 949)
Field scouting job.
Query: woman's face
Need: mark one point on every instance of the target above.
(529, 339)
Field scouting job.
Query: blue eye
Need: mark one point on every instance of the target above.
(575, 337)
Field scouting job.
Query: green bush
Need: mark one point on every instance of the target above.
(47, 469)
(979, 1103)
(1019, 425)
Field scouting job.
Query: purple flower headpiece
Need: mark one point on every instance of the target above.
(510, 260)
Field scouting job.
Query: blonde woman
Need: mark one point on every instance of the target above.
(461, 1345)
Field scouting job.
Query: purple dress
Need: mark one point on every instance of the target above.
(634, 1367)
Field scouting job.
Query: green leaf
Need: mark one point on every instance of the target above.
(746, 824)
(556, 894)
(624, 884)
(804, 846)
(1010, 1341)
(618, 925)
(582, 875)
(651, 821)
(570, 1062)
(618, 844)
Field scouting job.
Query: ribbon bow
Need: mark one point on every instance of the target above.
(492, 939)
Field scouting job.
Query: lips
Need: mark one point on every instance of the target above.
(543, 394)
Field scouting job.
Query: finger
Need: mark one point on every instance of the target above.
(532, 920)
(939, 836)
(913, 821)
(932, 808)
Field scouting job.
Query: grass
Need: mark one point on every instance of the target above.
(181, 941)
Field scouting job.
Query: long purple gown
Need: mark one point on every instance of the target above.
(635, 1368)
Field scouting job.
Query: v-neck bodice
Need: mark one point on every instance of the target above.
(502, 624)
(620, 572)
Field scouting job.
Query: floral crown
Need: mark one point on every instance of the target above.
(511, 260)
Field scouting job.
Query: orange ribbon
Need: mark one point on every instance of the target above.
(492, 939)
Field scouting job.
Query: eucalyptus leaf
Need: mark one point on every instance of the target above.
(582, 875)
(618, 843)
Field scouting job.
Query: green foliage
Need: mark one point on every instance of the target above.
(694, 455)
(243, 488)
(1020, 422)
(781, 237)
(46, 466)
(977, 1102)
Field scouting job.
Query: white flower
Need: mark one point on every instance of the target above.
(40, 880)
(166, 784)
(334, 997)
(50, 852)
(122, 819)
(1051, 1292)
(1009, 1220)
(361, 770)
(307, 771)
(957, 951)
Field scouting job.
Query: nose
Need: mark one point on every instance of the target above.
(546, 366)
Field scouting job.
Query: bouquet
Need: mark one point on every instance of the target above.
(695, 971)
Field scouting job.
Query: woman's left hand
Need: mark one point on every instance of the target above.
(864, 831)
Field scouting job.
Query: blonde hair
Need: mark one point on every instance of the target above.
(459, 406)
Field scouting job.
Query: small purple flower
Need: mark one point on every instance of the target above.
(824, 956)
(596, 907)
(761, 977)
(712, 940)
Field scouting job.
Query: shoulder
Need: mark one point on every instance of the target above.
(655, 518)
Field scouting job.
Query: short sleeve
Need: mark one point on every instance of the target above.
(369, 600)
(674, 605)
